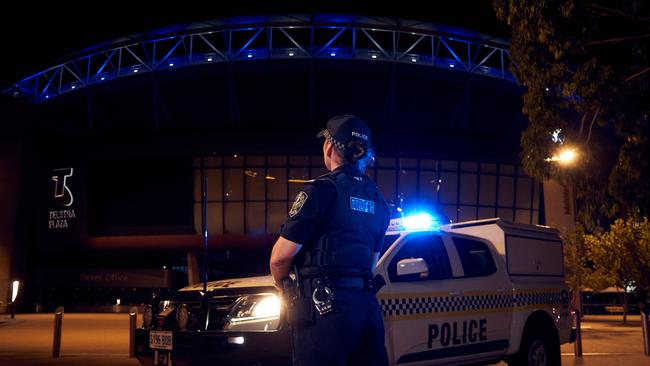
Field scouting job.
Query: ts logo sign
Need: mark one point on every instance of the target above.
(62, 193)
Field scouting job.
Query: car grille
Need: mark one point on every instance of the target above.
(220, 307)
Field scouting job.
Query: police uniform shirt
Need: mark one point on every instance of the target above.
(316, 204)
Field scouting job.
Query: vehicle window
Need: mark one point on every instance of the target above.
(428, 247)
(475, 257)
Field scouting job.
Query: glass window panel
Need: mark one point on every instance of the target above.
(234, 218)
(468, 189)
(317, 160)
(255, 183)
(234, 160)
(257, 161)
(215, 185)
(277, 160)
(386, 183)
(297, 175)
(506, 169)
(506, 191)
(467, 213)
(197, 185)
(448, 187)
(428, 186)
(521, 172)
(536, 194)
(215, 218)
(299, 160)
(430, 164)
(488, 168)
(212, 162)
(408, 185)
(255, 217)
(406, 163)
(276, 184)
(488, 190)
(385, 162)
(505, 213)
(485, 213)
(234, 184)
(449, 211)
(468, 166)
(523, 192)
(449, 165)
(522, 216)
(536, 218)
(276, 215)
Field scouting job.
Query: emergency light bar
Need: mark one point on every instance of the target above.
(418, 222)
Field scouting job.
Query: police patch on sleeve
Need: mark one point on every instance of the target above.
(301, 198)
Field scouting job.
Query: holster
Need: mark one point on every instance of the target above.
(299, 307)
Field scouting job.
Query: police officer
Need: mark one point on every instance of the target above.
(332, 239)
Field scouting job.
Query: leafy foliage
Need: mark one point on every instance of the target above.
(586, 67)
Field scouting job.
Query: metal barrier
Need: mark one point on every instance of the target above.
(58, 323)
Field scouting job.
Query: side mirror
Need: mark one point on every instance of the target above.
(412, 266)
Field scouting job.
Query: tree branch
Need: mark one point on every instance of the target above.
(613, 12)
(637, 74)
(617, 40)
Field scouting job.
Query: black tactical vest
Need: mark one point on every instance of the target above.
(343, 243)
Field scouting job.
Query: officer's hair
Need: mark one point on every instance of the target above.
(358, 153)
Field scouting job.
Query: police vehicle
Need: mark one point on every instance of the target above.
(471, 292)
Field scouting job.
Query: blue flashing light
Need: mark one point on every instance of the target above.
(374, 56)
(452, 65)
(422, 221)
(250, 55)
(103, 78)
(333, 54)
(171, 64)
(209, 59)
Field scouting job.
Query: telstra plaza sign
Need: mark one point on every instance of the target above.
(61, 217)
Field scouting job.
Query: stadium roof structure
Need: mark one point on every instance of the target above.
(251, 38)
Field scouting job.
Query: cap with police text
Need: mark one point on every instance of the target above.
(345, 128)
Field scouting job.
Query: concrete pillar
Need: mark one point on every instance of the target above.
(10, 158)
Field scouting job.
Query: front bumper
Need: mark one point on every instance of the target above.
(217, 347)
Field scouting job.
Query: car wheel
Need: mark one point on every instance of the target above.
(538, 348)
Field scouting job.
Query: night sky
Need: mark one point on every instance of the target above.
(37, 35)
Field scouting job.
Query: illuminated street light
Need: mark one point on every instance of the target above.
(565, 156)
(14, 294)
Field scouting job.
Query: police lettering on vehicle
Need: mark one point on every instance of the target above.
(471, 331)
(358, 204)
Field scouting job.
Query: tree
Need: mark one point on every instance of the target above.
(576, 270)
(620, 257)
(586, 69)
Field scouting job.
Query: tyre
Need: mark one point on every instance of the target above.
(539, 347)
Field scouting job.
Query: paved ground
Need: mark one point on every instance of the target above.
(102, 339)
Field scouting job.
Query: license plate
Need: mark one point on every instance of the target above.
(159, 339)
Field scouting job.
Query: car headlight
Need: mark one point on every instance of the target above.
(257, 307)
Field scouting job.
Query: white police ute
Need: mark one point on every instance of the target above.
(465, 293)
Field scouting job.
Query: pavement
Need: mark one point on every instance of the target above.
(102, 340)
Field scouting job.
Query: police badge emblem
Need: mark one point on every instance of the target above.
(301, 198)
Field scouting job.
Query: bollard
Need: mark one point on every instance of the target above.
(578, 344)
(645, 323)
(133, 316)
(58, 323)
(13, 310)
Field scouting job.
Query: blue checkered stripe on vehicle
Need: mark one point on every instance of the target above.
(443, 304)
